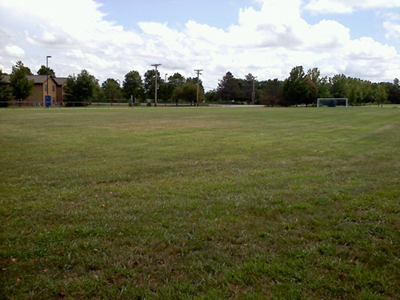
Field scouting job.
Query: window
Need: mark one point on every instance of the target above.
(45, 88)
(54, 88)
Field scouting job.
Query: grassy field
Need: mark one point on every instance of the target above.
(200, 203)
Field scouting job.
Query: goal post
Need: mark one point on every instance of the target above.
(332, 102)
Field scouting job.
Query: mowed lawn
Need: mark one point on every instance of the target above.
(200, 203)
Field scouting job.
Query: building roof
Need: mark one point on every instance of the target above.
(39, 79)
(60, 80)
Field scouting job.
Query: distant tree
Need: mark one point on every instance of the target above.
(272, 92)
(46, 71)
(367, 91)
(393, 91)
(338, 85)
(250, 81)
(193, 80)
(20, 66)
(187, 92)
(323, 88)
(167, 87)
(381, 95)
(312, 94)
(5, 91)
(212, 95)
(228, 87)
(354, 91)
(111, 89)
(133, 86)
(98, 94)
(149, 83)
(321, 84)
(21, 86)
(80, 89)
(295, 88)
(176, 80)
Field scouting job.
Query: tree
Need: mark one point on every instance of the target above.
(149, 83)
(312, 92)
(187, 92)
(5, 92)
(358, 91)
(228, 87)
(393, 91)
(296, 88)
(381, 95)
(46, 71)
(212, 95)
(21, 86)
(323, 88)
(20, 66)
(338, 86)
(98, 94)
(133, 85)
(272, 92)
(353, 93)
(248, 87)
(80, 89)
(321, 84)
(176, 80)
(111, 89)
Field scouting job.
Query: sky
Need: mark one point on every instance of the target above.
(267, 38)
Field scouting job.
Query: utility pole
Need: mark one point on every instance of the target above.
(156, 85)
(198, 83)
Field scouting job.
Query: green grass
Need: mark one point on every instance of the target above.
(186, 203)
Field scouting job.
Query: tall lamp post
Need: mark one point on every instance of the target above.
(47, 78)
(47, 72)
(155, 88)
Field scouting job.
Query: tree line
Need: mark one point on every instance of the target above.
(300, 88)
(303, 88)
(86, 88)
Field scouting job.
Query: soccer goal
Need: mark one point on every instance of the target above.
(332, 102)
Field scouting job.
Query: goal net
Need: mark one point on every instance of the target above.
(332, 102)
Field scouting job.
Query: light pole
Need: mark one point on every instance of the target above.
(47, 82)
(47, 72)
(165, 77)
(155, 96)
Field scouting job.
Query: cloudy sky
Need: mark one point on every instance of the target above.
(109, 38)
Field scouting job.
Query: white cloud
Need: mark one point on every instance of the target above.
(14, 51)
(267, 42)
(393, 30)
(329, 6)
(348, 6)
